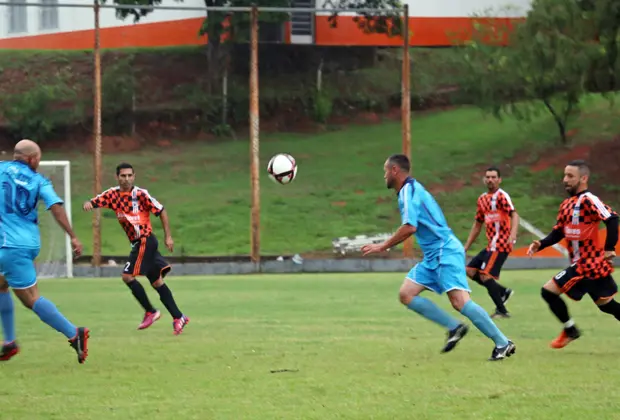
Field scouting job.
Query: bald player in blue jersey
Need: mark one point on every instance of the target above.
(20, 242)
(443, 266)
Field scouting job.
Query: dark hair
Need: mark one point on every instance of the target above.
(123, 165)
(584, 169)
(401, 161)
(495, 169)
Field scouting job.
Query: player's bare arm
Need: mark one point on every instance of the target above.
(473, 234)
(399, 236)
(166, 225)
(514, 226)
(59, 213)
(88, 206)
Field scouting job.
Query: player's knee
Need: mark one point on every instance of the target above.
(404, 296)
(157, 283)
(547, 294)
(458, 299)
(471, 272)
(127, 278)
(609, 306)
(28, 297)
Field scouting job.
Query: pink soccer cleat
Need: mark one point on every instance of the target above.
(8, 350)
(179, 324)
(149, 319)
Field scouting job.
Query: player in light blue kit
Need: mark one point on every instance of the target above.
(20, 242)
(443, 267)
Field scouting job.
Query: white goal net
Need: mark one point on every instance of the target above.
(56, 257)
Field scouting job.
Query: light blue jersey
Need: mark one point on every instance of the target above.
(22, 188)
(419, 209)
(443, 266)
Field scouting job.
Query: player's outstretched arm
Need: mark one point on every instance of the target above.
(403, 232)
(473, 234)
(59, 213)
(103, 200)
(553, 238)
(165, 222)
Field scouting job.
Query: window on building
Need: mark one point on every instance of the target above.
(48, 19)
(18, 17)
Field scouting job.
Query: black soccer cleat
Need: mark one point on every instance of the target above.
(8, 351)
(454, 337)
(80, 344)
(503, 352)
(498, 314)
(507, 295)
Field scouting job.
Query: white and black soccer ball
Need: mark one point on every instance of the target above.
(282, 168)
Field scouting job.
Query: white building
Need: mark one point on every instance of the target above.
(71, 28)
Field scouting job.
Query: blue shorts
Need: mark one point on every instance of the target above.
(17, 267)
(441, 274)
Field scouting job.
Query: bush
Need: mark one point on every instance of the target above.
(40, 111)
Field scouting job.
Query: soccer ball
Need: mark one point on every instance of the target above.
(282, 168)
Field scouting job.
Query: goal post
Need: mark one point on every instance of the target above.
(56, 257)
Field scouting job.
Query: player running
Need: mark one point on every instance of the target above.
(22, 189)
(133, 206)
(442, 269)
(495, 209)
(591, 268)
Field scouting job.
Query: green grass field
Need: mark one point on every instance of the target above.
(351, 351)
(339, 190)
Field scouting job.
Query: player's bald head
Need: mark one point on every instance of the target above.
(29, 152)
(25, 149)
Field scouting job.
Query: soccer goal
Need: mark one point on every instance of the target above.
(56, 257)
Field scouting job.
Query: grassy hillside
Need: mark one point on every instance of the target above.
(339, 190)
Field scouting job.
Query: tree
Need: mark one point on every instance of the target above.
(605, 19)
(545, 65)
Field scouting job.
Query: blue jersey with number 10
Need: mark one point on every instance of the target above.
(21, 190)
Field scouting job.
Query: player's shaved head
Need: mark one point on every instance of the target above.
(26, 148)
(580, 164)
(401, 161)
(29, 152)
(576, 175)
(396, 170)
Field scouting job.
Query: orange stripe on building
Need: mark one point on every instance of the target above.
(439, 31)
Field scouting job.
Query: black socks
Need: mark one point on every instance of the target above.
(140, 294)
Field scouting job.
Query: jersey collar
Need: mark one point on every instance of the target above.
(408, 180)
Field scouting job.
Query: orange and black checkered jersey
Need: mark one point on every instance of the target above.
(133, 209)
(578, 220)
(494, 210)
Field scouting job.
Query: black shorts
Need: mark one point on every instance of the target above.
(489, 262)
(576, 286)
(145, 260)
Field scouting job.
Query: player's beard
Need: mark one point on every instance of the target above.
(570, 190)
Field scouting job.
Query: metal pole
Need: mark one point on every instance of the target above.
(406, 109)
(254, 139)
(198, 8)
(97, 140)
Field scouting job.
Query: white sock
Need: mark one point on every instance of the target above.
(569, 323)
